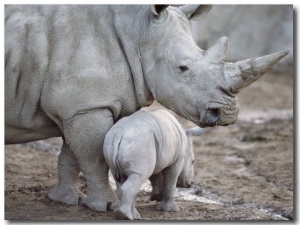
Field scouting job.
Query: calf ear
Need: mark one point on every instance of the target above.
(158, 10)
(195, 12)
(195, 131)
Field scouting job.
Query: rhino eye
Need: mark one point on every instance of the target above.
(183, 68)
(193, 162)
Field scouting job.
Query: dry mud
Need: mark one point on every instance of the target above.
(242, 172)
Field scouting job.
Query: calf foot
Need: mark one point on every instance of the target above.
(124, 213)
(167, 206)
(136, 214)
(66, 194)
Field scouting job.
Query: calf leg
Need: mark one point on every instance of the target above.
(66, 190)
(156, 182)
(118, 184)
(128, 191)
(169, 187)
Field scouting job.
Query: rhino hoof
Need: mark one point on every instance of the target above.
(99, 204)
(69, 196)
(111, 206)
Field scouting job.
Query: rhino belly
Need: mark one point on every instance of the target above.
(14, 135)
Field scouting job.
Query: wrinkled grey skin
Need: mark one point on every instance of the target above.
(149, 145)
(73, 71)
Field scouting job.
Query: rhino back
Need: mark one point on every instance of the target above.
(60, 60)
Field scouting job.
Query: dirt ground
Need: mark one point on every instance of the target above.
(245, 168)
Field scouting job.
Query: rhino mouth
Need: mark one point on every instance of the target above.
(218, 116)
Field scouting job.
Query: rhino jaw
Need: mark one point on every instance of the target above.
(219, 114)
(241, 74)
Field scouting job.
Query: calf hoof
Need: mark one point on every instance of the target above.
(67, 195)
(125, 213)
(136, 214)
(167, 206)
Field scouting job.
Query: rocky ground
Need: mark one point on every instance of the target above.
(242, 172)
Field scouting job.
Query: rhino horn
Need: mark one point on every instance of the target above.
(241, 74)
(218, 52)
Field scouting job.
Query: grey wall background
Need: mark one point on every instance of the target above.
(253, 30)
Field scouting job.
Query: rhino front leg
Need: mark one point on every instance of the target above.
(66, 190)
(85, 135)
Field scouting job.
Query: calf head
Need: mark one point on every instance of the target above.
(196, 84)
(186, 177)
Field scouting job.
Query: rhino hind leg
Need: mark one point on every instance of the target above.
(66, 190)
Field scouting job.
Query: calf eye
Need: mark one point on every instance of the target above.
(183, 68)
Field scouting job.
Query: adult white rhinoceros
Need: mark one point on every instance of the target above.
(73, 71)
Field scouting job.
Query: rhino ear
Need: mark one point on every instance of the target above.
(158, 10)
(195, 12)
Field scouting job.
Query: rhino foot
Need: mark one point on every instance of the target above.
(67, 195)
(100, 203)
(126, 213)
(167, 206)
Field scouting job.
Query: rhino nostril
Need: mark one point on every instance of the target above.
(213, 116)
(215, 112)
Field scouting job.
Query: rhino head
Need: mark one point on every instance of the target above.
(197, 84)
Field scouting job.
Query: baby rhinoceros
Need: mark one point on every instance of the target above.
(149, 145)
